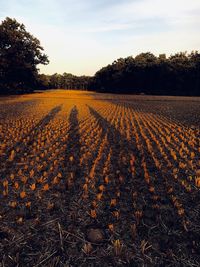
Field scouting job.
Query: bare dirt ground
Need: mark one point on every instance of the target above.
(93, 179)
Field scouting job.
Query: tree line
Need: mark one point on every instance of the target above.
(64, 81)
(21, 53)
(178, 74)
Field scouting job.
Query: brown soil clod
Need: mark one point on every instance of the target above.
(95, 235)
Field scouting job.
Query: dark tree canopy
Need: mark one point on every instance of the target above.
(20, 53)
(177, 75)
(64, 81)
(146, 73)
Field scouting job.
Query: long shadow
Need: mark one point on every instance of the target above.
(187, 199)
(73, 174)
(72, 156)
(122, 148)
(190, 200)
(115, 138)
(32, 134)
(48, 118)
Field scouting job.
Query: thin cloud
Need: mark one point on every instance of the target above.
(82, 36)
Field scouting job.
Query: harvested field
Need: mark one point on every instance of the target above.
(93, 179)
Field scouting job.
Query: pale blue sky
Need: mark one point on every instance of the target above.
(81, 36)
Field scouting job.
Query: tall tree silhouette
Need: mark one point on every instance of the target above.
(20, 53)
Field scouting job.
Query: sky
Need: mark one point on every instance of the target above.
(82, 36)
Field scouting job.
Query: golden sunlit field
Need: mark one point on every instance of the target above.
(93, 179)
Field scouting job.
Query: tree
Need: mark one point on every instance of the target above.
(20, 53)
(64, 81)
(178, 74)
(43, 81)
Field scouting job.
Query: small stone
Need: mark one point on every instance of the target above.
(95, 235)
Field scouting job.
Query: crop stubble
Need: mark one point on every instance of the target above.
(98, 179)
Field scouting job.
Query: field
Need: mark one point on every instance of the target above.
(99, 180)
